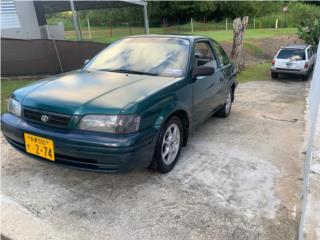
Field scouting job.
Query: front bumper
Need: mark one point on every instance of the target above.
(83, 149)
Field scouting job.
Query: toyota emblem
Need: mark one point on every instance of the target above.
(44, 118)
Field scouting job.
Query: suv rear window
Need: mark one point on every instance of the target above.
(297, 54)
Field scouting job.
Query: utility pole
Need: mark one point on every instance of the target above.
(75, 21)
(191, 25)
(146, 21)
(285, 10)
(110, 28)
(89, 29)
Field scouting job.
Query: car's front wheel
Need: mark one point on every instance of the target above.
(169, 146)
(224, 111)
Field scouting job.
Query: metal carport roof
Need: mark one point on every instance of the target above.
(62, 6)
(42, 7)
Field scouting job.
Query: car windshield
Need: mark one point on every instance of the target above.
(150, 56)
(292, 54)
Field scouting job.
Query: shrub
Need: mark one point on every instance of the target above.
(309, 32)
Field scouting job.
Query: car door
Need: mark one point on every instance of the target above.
(226, 71)
(205, 88)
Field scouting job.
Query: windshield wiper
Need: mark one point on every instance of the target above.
(130, 71)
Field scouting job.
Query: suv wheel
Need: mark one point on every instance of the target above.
(274, 75)
(224, 111)
(305, 77)
(169, 145)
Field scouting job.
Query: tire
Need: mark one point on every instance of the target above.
(167, 151)
(224, 111)
(305, 77)
(274, 75)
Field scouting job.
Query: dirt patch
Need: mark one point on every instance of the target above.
(250, 57)
(268, 48)
(271, 45)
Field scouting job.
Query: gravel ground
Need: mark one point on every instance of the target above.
(239, 178)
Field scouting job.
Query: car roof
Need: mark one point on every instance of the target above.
(181, 36)
(296, 46)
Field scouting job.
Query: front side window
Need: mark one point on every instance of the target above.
(223, 57)
(203, 55)
(153, 56)
(292, 54)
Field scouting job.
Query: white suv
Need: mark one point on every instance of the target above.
(294, 59)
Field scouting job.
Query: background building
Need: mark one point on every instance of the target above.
(19, 20)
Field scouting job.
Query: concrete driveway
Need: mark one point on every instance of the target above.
(239, 178)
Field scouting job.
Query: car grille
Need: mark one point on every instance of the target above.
(54, 119)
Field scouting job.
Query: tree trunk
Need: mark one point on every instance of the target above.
(237, 54)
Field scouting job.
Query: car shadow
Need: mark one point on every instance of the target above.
(292, 78)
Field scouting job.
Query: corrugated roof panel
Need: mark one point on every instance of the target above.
(61, 6)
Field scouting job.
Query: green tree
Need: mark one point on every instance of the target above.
(310, 32)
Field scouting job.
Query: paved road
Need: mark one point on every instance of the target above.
(239, 178)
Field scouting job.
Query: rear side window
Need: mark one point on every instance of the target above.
(292, 54)
(222, 56)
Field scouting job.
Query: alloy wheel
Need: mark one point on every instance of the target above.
(228, 102)
(170, 144)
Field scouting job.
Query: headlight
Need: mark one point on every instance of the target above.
(110, 123)
(14, 107)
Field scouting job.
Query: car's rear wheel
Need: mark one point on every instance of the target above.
(169, 145)
(274, 75)
(305, 77)
(224, 111)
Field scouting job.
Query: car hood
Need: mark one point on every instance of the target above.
(83, 92)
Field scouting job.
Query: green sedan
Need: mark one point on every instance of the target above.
(133, 105)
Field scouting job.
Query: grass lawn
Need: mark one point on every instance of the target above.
(222, 36)
(255, 72)
(7, 87)
(102, 34)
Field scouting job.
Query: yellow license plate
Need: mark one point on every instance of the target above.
(39, 146)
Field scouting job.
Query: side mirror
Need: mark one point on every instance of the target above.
(202, 71)
(86, 62)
